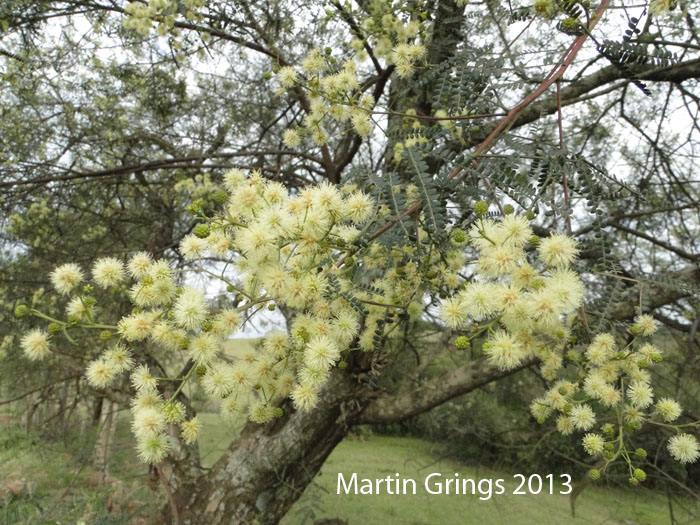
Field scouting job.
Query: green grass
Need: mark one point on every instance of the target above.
(52, 467)
(381, 456)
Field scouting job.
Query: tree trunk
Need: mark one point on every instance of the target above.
(105, 439)
(268, 467)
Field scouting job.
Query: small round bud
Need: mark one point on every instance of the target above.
(459, 236)
(481, 208)
(508, 209)
(541, 420)
(219, 197)
(349, 262)
(196, 207)
(202, 231)
(267, 75)
(272, 307)
(462, 342)
(328, 51)
(608, 429)
(207, 326)
(201, 371)
(594, 474)
(230, 288)
(563, 390)
(53, 328)
(277, 412)
(183, 343)
(642, 363)
(569, 24)
(105, 335)
(640, 453)
(639, 474)
(342, 364)
(530, 215)
(634, 481)
(21, 310)
(534, 240)
(656, 358)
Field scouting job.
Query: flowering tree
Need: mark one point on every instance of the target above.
(352, 195)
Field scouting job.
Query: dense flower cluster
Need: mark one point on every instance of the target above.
(285, 251)
(334, 92)
(525, 307)
(525, 304)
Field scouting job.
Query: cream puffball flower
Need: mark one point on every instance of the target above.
(108, 272)
(66, 277)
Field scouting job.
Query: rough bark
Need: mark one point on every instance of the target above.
(268, 467)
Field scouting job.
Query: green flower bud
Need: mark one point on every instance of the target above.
(267, 75)
(230, 288)
(608, 429)
(639, 474)
(640, 453)
(459, 236)
(569, 24)
(656, 358)
(201, 371)
(207, 326)
(541, 420)
(196, 207)
(594, 474)
(277, 412)
(462, 342)
(508, 209)
(219, 197)
(202, 231)
(21, 310)
(481, 208)
(89, 301)
(634, 481)
(642, 363)
(53, 328)
(271, 307)
(105, 335)
(183, 343)
(534, 240)
(530, 215)
(342, 364)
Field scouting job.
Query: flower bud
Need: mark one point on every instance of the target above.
(481, 208)
(462, 342)
(21, 310)
(594, 474)
(202, 231)
(219, 197)
(508, 209)
(639, 474)
(105, 335)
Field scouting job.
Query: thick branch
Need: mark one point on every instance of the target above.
(413, 401)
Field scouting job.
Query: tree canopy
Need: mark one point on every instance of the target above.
(501, 186)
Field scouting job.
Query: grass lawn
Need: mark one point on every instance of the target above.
(51, 468)
(380, 456)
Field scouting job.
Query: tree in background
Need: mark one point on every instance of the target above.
(334, 161)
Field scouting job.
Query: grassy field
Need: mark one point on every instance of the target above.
(62, 488)
(380, 456)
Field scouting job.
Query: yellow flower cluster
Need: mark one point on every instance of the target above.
(525, 307)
